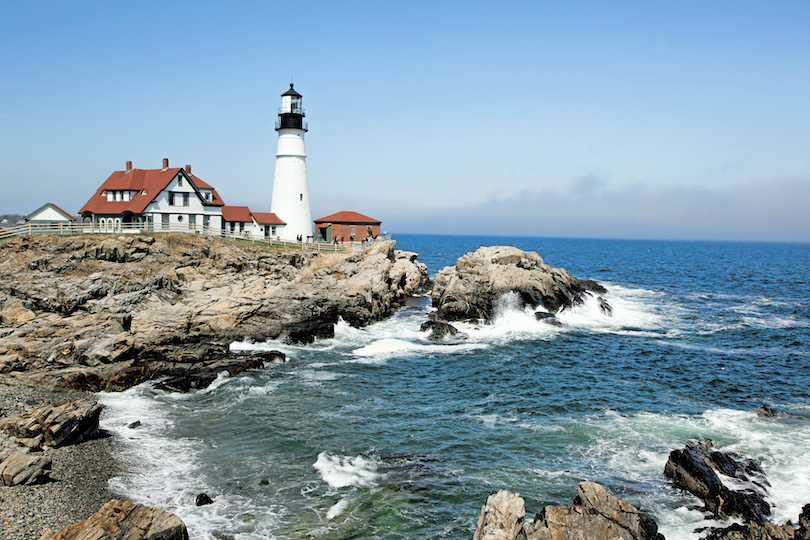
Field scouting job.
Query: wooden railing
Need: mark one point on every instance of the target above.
(69, 229)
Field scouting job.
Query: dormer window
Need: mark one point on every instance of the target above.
(179, 180)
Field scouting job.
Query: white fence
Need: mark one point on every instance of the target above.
(68, 229)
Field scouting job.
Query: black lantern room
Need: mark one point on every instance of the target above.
(291, 114)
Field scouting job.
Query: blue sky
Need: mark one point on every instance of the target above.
(687, 120)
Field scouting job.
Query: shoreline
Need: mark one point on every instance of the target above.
(79, 474)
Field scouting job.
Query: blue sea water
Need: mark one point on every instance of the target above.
(378, 433)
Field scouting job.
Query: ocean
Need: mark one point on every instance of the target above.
(378, 433)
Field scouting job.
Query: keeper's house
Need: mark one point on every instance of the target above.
(347, 225)
(154, 199)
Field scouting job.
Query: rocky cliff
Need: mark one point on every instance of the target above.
(469, 289)
(100, 311)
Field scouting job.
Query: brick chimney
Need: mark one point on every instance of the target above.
(188, 169)
(165, 163)
(129, 166)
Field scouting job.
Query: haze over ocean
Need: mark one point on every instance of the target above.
(378, 433)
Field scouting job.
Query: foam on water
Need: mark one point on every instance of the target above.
(632, 451)
(347, 471)
(166, 472)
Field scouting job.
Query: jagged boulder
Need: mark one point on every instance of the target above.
(18, 467)
(470, 289)
(595, 515)
(768, 412)
(501, 517)
(60, 425)
(438, 330)
(408, 276)
(118, 520)
(697, 469)
(548, 318)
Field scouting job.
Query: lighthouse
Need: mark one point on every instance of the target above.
(290, 189)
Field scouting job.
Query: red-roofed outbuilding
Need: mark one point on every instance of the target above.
(348, 225)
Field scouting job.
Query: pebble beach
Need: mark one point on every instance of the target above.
(78, 486)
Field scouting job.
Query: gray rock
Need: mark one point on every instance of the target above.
(104, 308)
(604, 307)
(697, 469)
(595, 515)
(768, 412)
(470, 289)
(56, 426)
(547, 318)
(439, 330)
(18, 468)
(123, 519)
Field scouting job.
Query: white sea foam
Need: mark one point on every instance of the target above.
(347, 471)
(634, 449)
(166, 472)
(388, 346)
(337, 509)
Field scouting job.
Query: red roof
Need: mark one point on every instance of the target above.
(348, 217)
(71, 217)
(267, 218)
(236, 213)
(151, 181)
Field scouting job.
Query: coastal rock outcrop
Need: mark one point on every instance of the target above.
(697, 468)
(22, 437)
(59, 425)
(104, 312)
(595, 514)
(20, 468)
(123, 520)
(469, 289)
(438, 330)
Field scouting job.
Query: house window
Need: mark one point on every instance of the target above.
(165, 221)
(171, 199)
(179, 180)
(352, 230)
(180, 219)
(117, 195)
(241, 226)
(192, 221)
(206, 221)
(301, 196)
(110, 196)
(273, 230)
(126, 196)
(185, 199)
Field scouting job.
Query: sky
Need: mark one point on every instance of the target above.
(654, 120)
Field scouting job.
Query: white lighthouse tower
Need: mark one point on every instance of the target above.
(290, 189)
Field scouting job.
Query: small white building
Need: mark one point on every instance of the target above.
(240, 221)
(48, 213)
